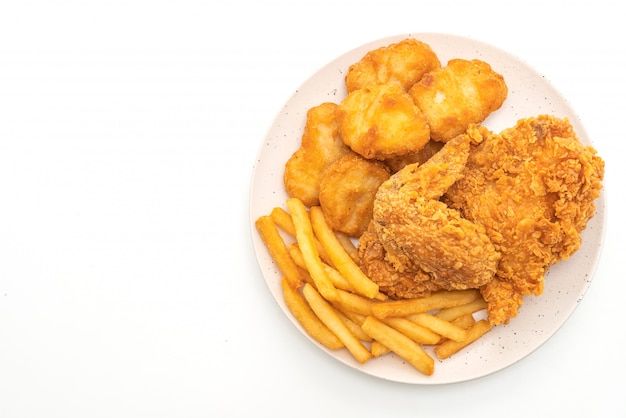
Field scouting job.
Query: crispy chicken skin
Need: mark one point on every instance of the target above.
(402, 63)
(412, 282)
(418, 232)
(533, 187)
(321, 145)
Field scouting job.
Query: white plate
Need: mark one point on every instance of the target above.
(530, 94)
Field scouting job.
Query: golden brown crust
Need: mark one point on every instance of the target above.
(461, 93)
(347, 192)
(381, 122)
(321, 146)
(402, 63)
(533, 187)
(421, 236)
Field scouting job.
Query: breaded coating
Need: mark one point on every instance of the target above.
(533, 187)
(412, 282)
(382, 122)
(457, 95)
(419, 232)
(320, 147)
(347, 192)
(402, 63)
(421, 156)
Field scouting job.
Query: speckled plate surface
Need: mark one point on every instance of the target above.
(530, 94)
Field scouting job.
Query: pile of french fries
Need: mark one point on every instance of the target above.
(339, 306)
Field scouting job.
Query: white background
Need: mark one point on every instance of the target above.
(128, 282)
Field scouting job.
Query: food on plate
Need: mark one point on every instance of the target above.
(279, 251)
(454, 96)
(399, 343)
(347, 192)
(303, 313)
(420, 233)
(338, 256)
(449, 347)
(533, 188)
(320, 146)
(310, 253)
(402, 63)
(329, 316)
(347, 316)
(421, 156)
(381, 122)
(435, 301)
(413, 228)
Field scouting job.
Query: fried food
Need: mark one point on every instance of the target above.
(402, 63)
(303, 313)
(347, 192)
(399, 343)
(454, 96)
(421, 156)
(320, 147)
(533, 188)
(418, 232)
(306, 241)
(381, 121)
(338, 255)
(408, 283)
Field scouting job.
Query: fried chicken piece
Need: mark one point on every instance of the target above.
(320, 147)
(402, 63)
(347, 192)
(418, 232)
(533, 187)
(454, 96)
(381, 122)
(412, 282)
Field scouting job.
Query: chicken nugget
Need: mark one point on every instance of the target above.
(403, 63)
(347, 192)
(461, 93)
(321, 146)
(381, 122)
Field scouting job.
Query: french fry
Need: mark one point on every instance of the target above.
(450, 314)
(327, 314)
(306, 242)
(399, 344)
(440, 326)
(355, 303)
(450, 347)
(340, 259)
(466, 321)
(303, 313)
(378, 349)
(354, 327)
(282, 219)
(439, 300)
(334, 276)
(416, 332)
(354, 317)
(348, 245)
(278, 251)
